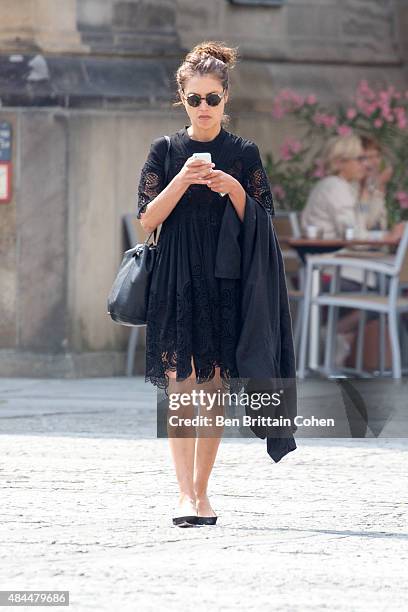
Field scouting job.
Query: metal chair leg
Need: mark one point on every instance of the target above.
(382, 343)
(395, 346)
(361, 329)
(360, 340)
(299, 311)
(381, 331)
(319, 326)
(331, 339)
(314, 320)
(305, 322)
(330, 335)
(132, 343)
(298, 321)
(331, 325)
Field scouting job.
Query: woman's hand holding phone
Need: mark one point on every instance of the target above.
(199, 170)
(195, 171)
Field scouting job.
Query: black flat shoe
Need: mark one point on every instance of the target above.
(207, 520)
(185, 521)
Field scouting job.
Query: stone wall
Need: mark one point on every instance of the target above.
(39, 25)
(83, 118)
(61, 238)
(319, 31)
(301, 30)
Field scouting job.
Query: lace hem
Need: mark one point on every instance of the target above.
(229, 384)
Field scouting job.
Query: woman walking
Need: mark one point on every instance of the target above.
(194, 317)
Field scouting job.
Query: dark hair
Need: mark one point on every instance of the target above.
(207, 58)
(369, 142)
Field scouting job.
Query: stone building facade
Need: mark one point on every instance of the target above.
(86, 85)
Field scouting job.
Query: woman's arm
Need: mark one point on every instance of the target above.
(159, 208)
(156, 201)
(222, 182)
(237, 196)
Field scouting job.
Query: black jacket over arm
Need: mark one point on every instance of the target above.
(265, 355)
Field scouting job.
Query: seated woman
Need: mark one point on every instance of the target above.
(332, 203)
(373, 185)
(353, 177)
(333, 206)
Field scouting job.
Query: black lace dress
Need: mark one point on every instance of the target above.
(192, 315)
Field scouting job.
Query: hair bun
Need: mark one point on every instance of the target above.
(216, 49)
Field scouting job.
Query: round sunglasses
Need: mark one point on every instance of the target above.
(212, 99)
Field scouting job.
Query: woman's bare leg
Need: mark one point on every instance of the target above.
(182, 448)
(348, 323)
(206, 448)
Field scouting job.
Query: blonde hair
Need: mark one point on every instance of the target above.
(207, 58)
(340, 147)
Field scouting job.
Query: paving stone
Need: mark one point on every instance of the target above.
(89, 510)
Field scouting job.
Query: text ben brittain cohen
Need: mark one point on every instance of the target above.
(254, 400)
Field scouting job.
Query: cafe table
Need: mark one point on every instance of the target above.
(367, 247)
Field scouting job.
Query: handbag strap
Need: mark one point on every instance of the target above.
(166, 181)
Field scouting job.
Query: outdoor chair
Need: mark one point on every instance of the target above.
(393, 275)
(286, 225)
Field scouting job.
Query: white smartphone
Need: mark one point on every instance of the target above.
(204, 156)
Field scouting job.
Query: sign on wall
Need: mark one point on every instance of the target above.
(5, 141)
(5, 162)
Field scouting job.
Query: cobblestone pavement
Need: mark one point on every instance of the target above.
(87, 495)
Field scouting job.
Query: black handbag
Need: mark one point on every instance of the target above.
(129, 296)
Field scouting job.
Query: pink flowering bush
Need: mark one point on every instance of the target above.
(382, 114)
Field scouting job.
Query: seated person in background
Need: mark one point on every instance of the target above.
(332, 202)
(333, 206)
(373, 185)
